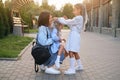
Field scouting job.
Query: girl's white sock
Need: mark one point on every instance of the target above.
(57, 62)
(58, 58)
(79, 62)
(72, 63)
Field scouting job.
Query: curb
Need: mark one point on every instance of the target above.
(19, 55)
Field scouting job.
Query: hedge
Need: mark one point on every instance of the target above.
(5, 21)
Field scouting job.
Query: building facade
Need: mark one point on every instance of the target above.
(104, 16)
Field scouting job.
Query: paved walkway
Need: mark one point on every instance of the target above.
(100, 55)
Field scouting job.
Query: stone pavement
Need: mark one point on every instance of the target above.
(100, 55)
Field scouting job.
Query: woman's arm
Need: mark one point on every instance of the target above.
(42, 37)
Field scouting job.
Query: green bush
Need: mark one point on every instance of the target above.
(2, 26)
(5, 20)
(2, 29)
(26, 15)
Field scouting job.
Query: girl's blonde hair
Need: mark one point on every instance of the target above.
(83, 12)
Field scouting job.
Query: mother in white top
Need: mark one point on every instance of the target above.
(73, 42)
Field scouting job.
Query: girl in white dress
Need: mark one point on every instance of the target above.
(73, 43)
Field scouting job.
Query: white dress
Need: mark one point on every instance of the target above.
(75, 25)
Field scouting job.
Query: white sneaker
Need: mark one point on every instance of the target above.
(42, 67)
(79, 68)
(70, 71)
(52, 71)
(57, 64)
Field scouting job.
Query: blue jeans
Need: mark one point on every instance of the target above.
(52, 59)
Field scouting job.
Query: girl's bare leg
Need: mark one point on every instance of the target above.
(77, 56)
(65, 53)
(60, 50)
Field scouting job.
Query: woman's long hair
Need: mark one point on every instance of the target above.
(44, 19)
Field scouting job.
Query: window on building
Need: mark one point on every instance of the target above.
(95, 12)
(89, 18)
(119, 21)
(95, 17)
(107, 14)
(110, 14)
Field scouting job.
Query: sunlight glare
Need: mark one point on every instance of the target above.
(59, 3)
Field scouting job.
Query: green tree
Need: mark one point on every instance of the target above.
(67, 10)
(57, 13)
(47, 7)
(26, 14)
(8, 6)
(6, 21)
(4, 26)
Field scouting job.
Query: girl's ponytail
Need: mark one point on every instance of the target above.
(85, 16)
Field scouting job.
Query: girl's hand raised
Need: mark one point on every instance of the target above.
(65, 17)
(55, 18)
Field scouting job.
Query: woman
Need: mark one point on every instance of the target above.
(44, 23)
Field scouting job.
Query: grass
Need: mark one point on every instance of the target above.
(33, 30)
(30, 31)
(11, 45)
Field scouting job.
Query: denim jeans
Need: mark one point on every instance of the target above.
(52, 59)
